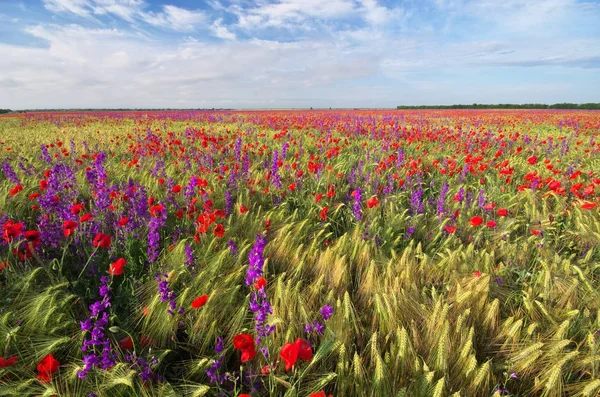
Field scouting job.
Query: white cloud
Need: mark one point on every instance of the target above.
(291, 13)
(175, 18)
(221, 31)
(78, 7)
(171, 17)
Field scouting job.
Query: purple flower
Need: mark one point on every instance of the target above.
(326, 311)
(97, 344)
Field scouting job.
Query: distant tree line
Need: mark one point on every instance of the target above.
(581, 106)
(5, 111)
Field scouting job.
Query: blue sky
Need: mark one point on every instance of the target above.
(296, 53)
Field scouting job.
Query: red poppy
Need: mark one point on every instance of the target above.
(47, 367)
(7, 362)
(34, 195)
(587, 205)
(290, 352)
(476, 221)
(532, 160)
(69, 227)
(292, 186)
(199, 301)
(219, 231)
(116, 268)
(491, 223)
(450, 229)
(161, 181)
(319, 197)
(176, 189)
(477, 273)
(502, 212)
(12, 230)
(156, 210)
(372, 202)
(267, 223)
(3, 265)
(101, 241)
(33, 237)
(76, 209)
(260, 283)
(536, 232)
(85, 217)
(43, 184)
(320, 394)
(243, 209)
(244, 395)
(245, 344)
(15, 190)
(323, 214)
(126, 343)
(123, 221)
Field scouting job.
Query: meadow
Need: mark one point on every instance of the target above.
(300, 253)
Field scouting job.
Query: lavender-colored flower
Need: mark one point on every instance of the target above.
(232, 247)
(167, 295)
(97, 344)
(189, 256)
(10, 173)
(326, 311)
(213, 371)
(356, 208)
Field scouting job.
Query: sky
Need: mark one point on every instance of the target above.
(296, 53)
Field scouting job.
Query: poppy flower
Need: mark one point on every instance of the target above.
(323, 214)
(126, 343)
(292, 186)
(33, 237)
(69, 227)
(7, 362)
(43, 184)
(245, 344)
(47, 367)
(260, 283)
(15, 190)
(450, 229)
(536, 232)
(477, 273)
(267, 223)
(244, 395)
(176, 189)
(290, 352)
(587, 205)
(320, 394)
(219, 230)
(116, 268)
(491, 224)
(12, 230)
(476, 221)
(156, 210)
(532, 160)
(101, 241)
(372, 202)
(3, 265)
(502, 212)
(318, 198)
(243, 209)
(76, 209)
(85, 218)
(199, 301)
(123, 221)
